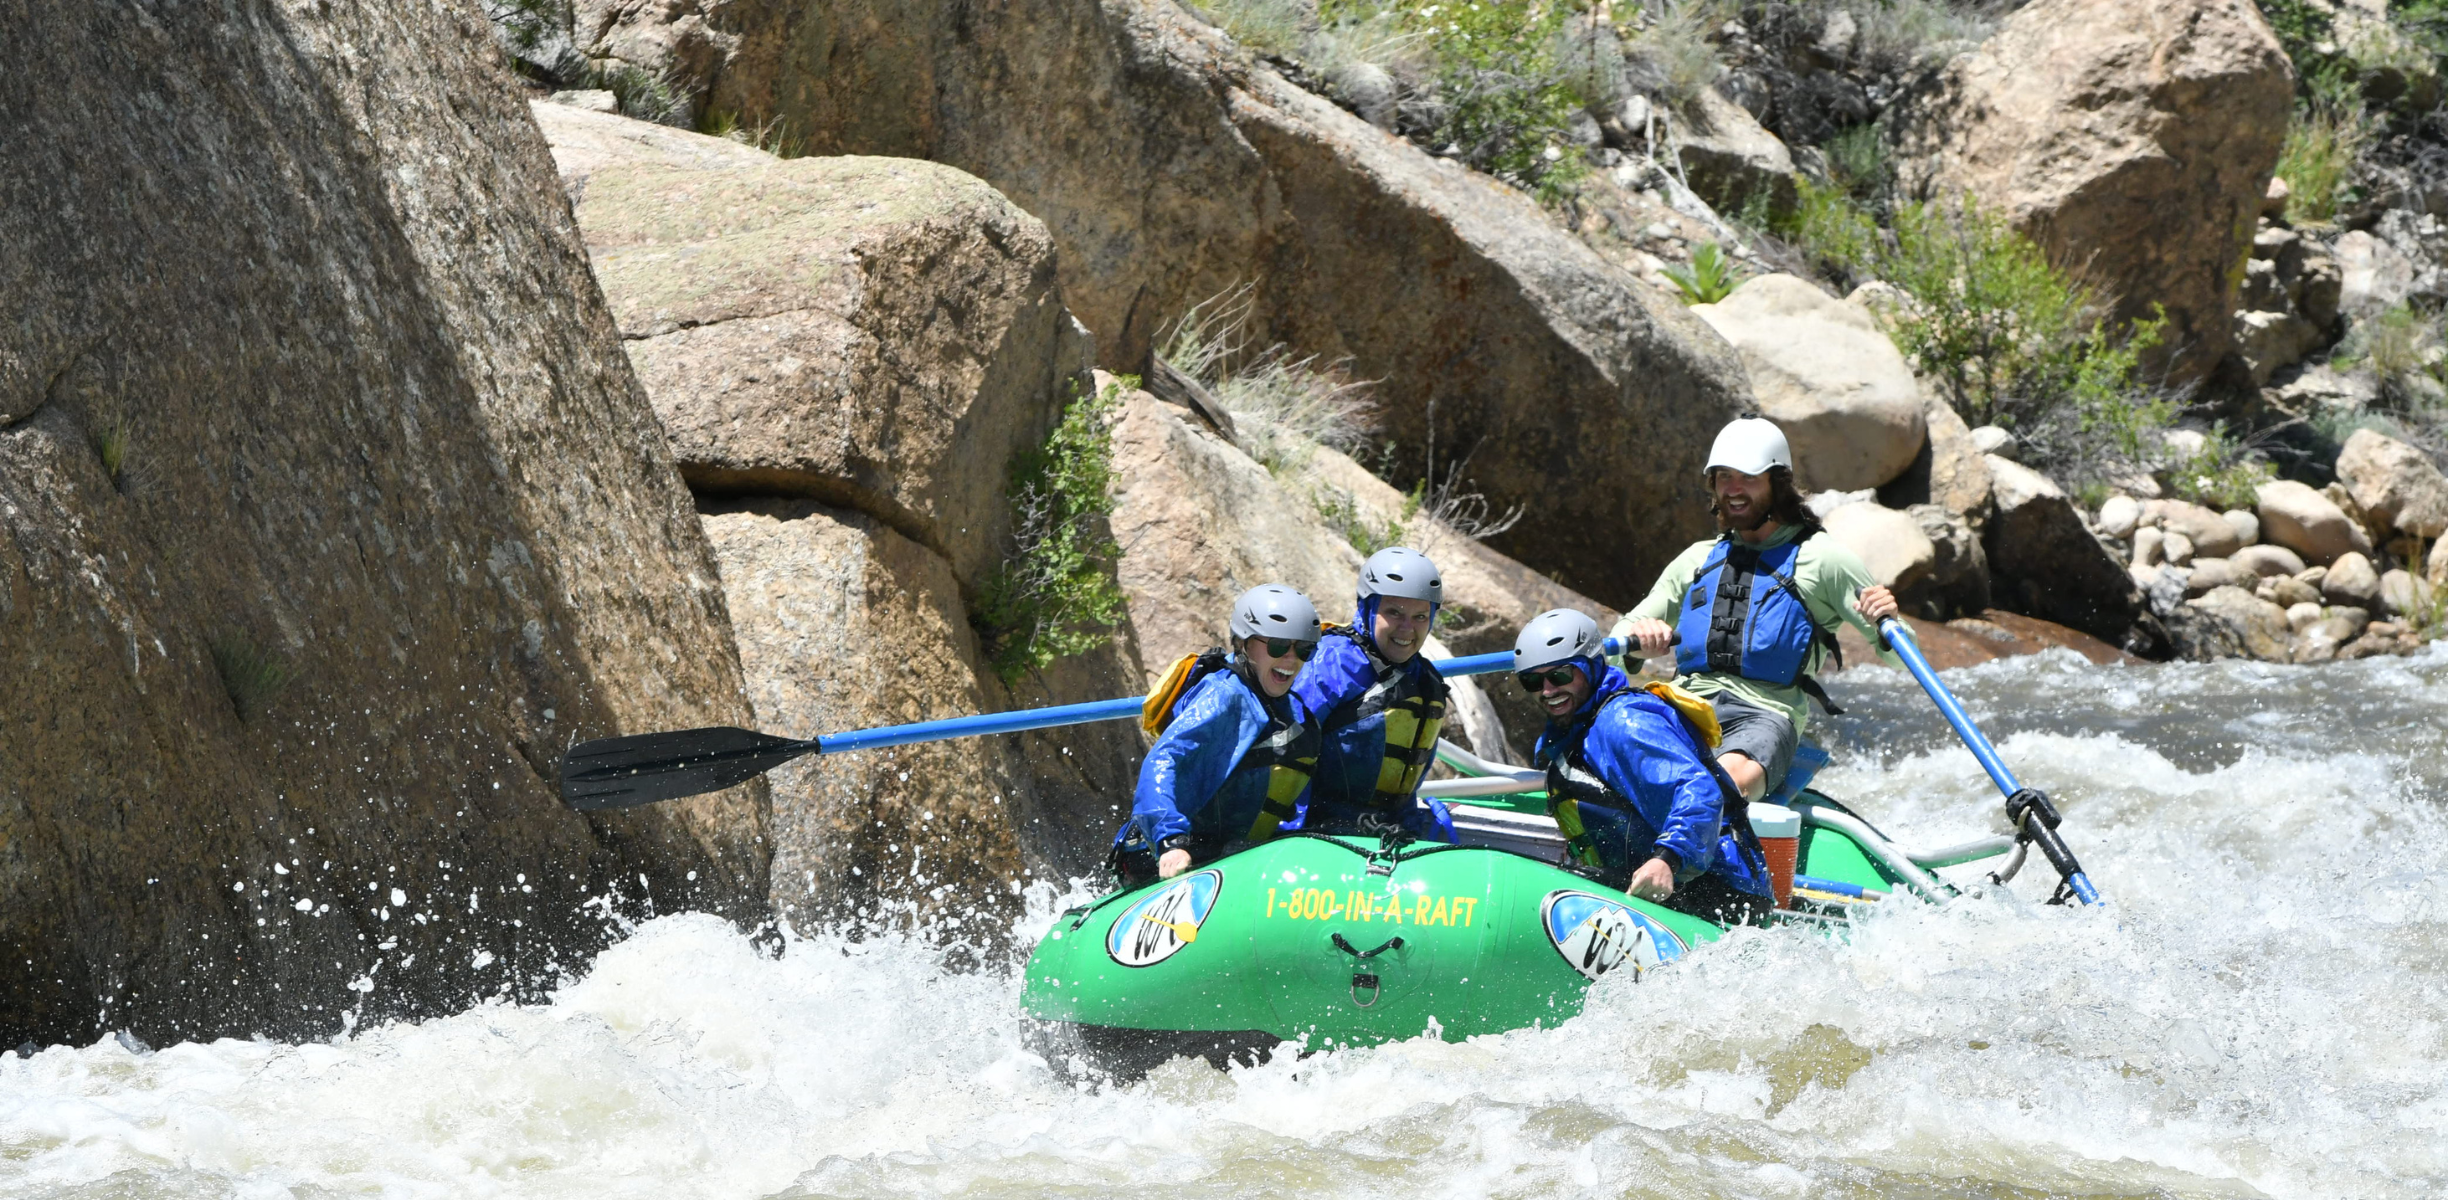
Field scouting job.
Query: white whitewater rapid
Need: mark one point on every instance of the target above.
(2261, 1011)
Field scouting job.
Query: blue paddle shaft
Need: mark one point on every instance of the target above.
(1900, 639)
(1079, 714)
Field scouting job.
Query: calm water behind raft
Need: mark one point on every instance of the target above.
(2260, 1013)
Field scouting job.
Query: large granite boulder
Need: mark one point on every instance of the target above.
(1826, 374)
(2395, 484)
(845, 624)
(849, 354)
(2135, 139)
(1729, 158)
(879, 334)
(2044, 562)
(330, 514)
(2257, 627)
(1170, 166)
(2307, 522)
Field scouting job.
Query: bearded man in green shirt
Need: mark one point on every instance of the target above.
(1756, 608)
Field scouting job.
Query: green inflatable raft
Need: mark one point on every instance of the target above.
(1344, 941)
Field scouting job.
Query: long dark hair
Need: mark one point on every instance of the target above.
(1785, 505)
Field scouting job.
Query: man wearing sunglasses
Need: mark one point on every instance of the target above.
(1380, 704)
(1630, 786)
(1756, 608)
(1235, 755)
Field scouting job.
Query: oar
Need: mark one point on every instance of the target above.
(2027, 809)
(624, 772)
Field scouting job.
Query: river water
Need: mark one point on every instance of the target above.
(2262, 1011)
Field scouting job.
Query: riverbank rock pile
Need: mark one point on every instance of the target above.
(2304, 575)
(332, 514)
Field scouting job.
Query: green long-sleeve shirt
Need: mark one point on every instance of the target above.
(1827, 575)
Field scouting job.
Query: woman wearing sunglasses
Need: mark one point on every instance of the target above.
(1380, 704)
(1236, 752)
(1630, 785)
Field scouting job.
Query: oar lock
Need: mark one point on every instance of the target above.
(2027, 801)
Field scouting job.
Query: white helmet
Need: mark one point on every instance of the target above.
(1557, 635)
(1274, 611)
(1750, 445)
(1402, 573)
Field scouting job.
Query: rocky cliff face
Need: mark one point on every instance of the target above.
(849, 353)
(1170, 167)
(333, 514)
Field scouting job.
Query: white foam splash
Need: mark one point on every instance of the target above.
(2257, 1012)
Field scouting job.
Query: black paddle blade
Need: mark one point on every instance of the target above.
(624, 772)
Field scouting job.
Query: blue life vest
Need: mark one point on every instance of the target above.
(1744, 615)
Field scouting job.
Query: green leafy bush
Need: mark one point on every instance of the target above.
(1267, 26)
(1056, 595)
(2223, 474)
(1494, 83)
(2009, 338)
(1709, 278)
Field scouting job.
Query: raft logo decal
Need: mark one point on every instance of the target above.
(1597, 935)
(1162, 922)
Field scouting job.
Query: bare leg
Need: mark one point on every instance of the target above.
(1751, 777)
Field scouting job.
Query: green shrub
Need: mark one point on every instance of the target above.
(250, 674)
(1676, 59)
(1056, 595)
(1897, 34)
(1836, 233)
(1341, 513)
(2221, 475)
(2009, 338)
(2404, 349)
(110, 446)
(1709, 278)
(1499, 87)
(1857, 161)
(644, 96)
(1267, 26)
(2322, 143)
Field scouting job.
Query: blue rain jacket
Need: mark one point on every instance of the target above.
(1352, 753)
(1196, 779)
(1640, 748)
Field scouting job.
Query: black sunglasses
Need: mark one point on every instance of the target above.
(1559, 676)
(1278, 647)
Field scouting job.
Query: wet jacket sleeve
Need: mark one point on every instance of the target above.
(1645, 753)
(1339, 672)
(1830, 575)
(1211, 731)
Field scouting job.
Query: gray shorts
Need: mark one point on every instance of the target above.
(1763, 735)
